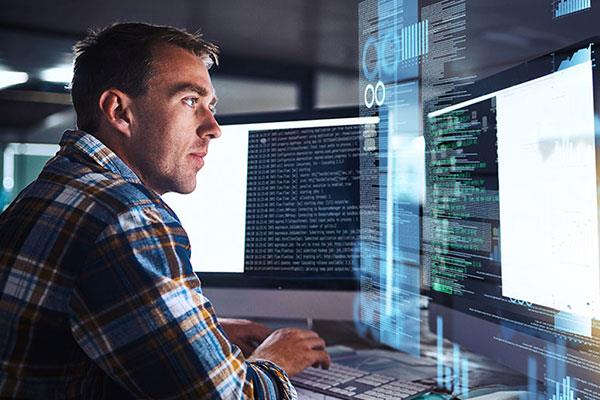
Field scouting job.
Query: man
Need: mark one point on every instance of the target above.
(99, 299)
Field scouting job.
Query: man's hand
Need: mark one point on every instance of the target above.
(293, 350)
(244, 333)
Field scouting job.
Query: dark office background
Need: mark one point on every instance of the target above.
(280, 55)
(276, 55)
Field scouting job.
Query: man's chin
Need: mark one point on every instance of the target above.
(186, 189)
(180, 188)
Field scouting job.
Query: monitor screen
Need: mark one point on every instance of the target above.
(277, 205)
(511, 216)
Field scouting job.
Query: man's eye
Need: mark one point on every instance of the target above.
(191, 101)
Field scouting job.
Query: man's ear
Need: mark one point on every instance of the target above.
(115, 108)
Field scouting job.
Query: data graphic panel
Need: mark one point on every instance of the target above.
(501, 228)
(447, 22)
(393, 43)
(566, 7)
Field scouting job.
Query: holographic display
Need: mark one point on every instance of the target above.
(480, 195)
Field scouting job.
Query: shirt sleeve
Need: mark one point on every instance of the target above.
(139, 313)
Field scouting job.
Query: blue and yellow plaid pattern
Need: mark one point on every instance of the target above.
(98, 297)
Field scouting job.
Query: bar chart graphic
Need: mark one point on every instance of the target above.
(564, 391)
(555, 388)
(566, 7)
(415, 40)
(454, 377)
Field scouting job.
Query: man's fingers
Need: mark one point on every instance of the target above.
(323, 359)
(315, 343)
(293, 350)
(326, 362)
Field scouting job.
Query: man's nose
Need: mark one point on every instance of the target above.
(216, 131)
(210, 128)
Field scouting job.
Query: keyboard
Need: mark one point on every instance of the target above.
(350, 383)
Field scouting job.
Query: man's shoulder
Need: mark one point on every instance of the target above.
(77, 184)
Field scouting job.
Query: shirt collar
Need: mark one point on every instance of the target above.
(76, 141)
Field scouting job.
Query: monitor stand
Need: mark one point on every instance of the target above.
(300, 305)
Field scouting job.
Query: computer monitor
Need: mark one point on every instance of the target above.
(274, 220)
(511, 242)
(21, 164)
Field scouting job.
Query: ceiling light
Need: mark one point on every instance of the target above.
(10, 78)
(62, 74)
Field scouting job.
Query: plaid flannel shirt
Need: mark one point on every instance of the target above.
(98, 297)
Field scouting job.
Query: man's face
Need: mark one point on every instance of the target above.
(173, 122)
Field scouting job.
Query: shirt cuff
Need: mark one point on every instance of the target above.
(281, 379)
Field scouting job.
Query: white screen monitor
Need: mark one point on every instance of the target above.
(274, 220)
(522, 179)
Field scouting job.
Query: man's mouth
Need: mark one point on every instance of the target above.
(199, 158)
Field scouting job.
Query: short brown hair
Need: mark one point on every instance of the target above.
(120, 56)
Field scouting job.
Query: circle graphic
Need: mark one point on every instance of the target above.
(379, 100)
(369, 88)
(370, 75)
